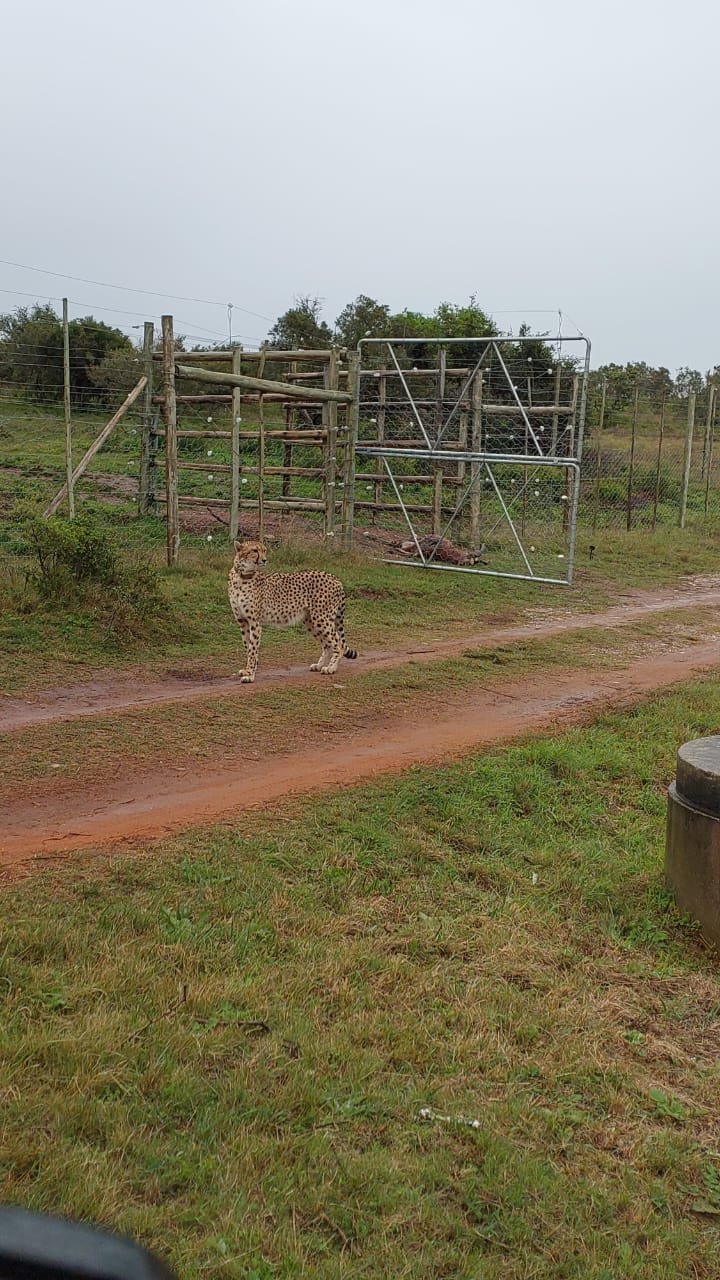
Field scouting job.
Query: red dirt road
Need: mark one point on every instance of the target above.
(177, 800)
(123, 693)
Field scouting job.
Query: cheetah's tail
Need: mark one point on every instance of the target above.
(350, 653)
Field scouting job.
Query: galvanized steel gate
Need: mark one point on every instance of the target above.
(478, 441)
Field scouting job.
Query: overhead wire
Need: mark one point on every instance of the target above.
(104, 284)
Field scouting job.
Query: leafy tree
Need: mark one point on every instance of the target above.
(447, 321)
(301, 327)
(363, 318)
(116, 375)
(31, 353)
(688, 380)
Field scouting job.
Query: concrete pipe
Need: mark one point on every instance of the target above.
(692, 850)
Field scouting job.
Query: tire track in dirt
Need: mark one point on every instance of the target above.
(113, 693)
(174, 801)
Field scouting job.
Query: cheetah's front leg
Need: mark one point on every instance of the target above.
(251, 635)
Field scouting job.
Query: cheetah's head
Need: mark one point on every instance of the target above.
(249, 557)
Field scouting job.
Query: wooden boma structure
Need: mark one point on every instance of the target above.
(292, 428)
(335, 433)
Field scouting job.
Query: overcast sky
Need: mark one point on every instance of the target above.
(539, 155)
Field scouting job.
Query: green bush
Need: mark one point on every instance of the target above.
(74, 563)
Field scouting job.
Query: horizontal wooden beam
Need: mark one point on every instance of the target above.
(270, 353)
(273, 504)
(322, 394)
(225, 467)
(311, 436)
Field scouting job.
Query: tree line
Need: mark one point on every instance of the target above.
(105, 361)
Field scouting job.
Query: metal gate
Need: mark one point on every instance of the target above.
(476, 441)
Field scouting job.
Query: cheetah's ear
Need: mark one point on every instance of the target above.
(239, 546)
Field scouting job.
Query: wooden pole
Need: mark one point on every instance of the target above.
(437, 469)
(235, 449)
(708, 427)
(66, 404)
(658, 471)
(688, 458)
(554, 431)
(331, 414)
(475, 467)
(570, 451)
(351, 433)
(631, 467)
(382, 397)
(172, 513)
(148, 442)
(96, 445)
(598, 454)
(711, 441)
(263, 385)
(261, 459)
(290, 421)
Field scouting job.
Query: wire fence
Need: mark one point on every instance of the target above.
(652, 461)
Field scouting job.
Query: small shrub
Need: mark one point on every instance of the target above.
(74, 563)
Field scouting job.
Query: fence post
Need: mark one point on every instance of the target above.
(475, 467)
(330, 417)
(437, 469)
(555, 421)
(351, 433)
(148, 440)
(377, 462)
(66, 405)
(235, 448)
(710, 442)
(598, 454)
(570, 451)
(631, 468)
(661, 432)
(708, 426)
(172, 513)
(688, 458)
(261, 452)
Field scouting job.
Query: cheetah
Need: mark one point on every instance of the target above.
(314, 598)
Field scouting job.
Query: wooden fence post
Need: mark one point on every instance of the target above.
(688, 458)
(261, 455)
(330, 416)
(382, 397)
(708, 428)
(352, 418)
(555, 421)
(631, 468)
(658, 470)
(710, 432)
(437, 469)
(475, 467)
(148, 440)
(598, 454)
(172, 513)
(66, 405)
(235, 449)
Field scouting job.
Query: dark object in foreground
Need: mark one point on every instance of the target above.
(34, 1246)
(692, 850)
(440, 550)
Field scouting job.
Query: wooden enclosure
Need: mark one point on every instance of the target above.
(307, 405)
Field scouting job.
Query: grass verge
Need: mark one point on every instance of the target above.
(261, 1049)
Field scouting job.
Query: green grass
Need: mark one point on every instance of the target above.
(44, 646)
(226, 1048)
